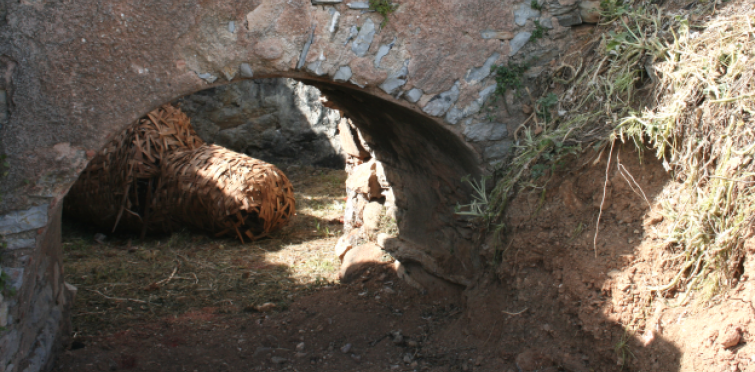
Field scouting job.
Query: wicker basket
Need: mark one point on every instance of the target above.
(116, 189)
(225, 192)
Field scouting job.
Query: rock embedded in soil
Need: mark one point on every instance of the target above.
(531, 360)
(266, 307)
(345, 349)
(731, 338)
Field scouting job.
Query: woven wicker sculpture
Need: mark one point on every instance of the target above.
(224, 192)
(116, 188)
(158, 173)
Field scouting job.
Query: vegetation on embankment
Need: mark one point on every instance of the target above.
(676, 82)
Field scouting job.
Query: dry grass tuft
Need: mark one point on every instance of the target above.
(702, 125)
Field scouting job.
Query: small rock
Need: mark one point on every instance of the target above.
(345, 349)
(210, 78)
(589, 11)
(397, 337)
(731, 338)
(300, 355)
(261, 351)
(278, 360)
(300, 347)
(246, 70)
(413, 95)
(412, 343)
(569, 19)
(100, 238)
(356, 357)
(268, 306)
(413, 365)
(408, 358)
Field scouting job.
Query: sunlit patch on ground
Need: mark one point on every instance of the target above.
(126, 281)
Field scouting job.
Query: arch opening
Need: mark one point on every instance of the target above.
(419, 164)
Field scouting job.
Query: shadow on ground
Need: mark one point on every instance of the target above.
(545, 304)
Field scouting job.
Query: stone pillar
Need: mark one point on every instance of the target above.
(35, 304)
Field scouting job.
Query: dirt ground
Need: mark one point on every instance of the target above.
(549, 300)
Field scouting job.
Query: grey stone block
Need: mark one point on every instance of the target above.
(382, 52)
(361, 44)
(208, 77)
(439, 104)
(497, 151)
(246, 70)
(359, 5)
(546, 22)
(16, 276)
(20, 221)
(343, 74)
(413, 95)
(391, 85)
(524, 12)
(518, 42)
(315, 68)
(485, 132)
(20, 243)
(569, 19)
(480, 73)
(486, 93)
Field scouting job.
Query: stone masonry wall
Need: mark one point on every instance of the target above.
(269, 119)
(419, 90)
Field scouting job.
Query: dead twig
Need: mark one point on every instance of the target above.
(381, 338)
(168, 279)
(508, 313)
(117, 298)
(602, 201)
(622, 170)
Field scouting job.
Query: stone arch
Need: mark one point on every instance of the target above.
(74, 73)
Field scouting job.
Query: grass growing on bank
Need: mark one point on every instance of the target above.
(697, 91)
